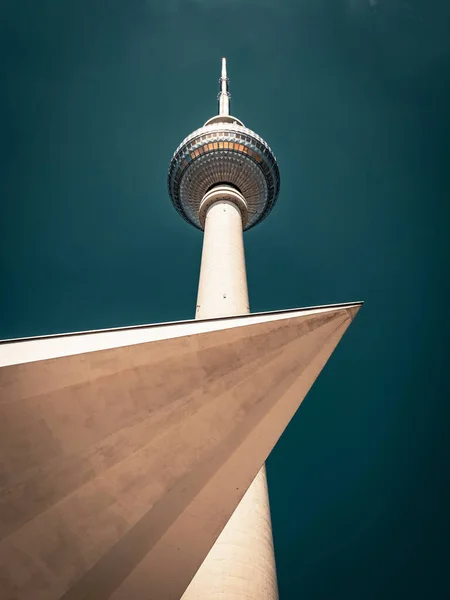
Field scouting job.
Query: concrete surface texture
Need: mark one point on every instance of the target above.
(115, 464)
(222, 289)
(241, 564)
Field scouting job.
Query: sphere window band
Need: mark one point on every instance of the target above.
(229, 144)
(226, 146)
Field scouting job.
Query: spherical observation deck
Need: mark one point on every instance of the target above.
(224, 151)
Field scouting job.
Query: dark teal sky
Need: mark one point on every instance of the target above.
(353, 96)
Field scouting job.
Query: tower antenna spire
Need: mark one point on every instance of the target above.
(224, 94)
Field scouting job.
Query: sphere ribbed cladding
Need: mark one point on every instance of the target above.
(224, 151)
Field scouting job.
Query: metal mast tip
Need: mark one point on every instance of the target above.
(224, 94)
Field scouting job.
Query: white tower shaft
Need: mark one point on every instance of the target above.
(222, 288)
(241, 563)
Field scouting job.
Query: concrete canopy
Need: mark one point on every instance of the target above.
(123, 453)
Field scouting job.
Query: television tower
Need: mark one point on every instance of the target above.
(224, 179)
(125, 451)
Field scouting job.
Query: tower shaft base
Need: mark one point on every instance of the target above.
(241, 563)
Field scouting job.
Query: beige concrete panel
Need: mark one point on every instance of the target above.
(154, 573)
(117, 484)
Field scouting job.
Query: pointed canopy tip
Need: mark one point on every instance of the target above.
(353, 310)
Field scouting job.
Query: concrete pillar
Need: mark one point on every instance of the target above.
(241, 564)
(222, 289)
